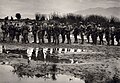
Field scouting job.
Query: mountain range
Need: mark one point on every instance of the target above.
(108, 12)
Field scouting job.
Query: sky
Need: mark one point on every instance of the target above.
(28, 8)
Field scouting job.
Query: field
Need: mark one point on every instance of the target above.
(91, 63)
(94, 64)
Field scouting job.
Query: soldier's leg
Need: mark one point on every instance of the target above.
(76, 40)
(49, 39)
(118, 40)
(82, 37)
(92, 39)
(63, 38)
(26, 38)
(108, 40)
(67, 38)
(57, 39)
(88, 38)
(17, 37)
(10, 37)
(13, 36)
(112, 40)
(3, 36)
(35, 38)
(95, 40)
(100, 39)
(43, 39)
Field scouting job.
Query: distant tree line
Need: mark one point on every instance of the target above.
(72, 18)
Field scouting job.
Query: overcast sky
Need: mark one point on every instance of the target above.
(28, 8)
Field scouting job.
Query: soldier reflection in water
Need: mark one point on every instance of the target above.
(54, 70)
(40, 55)
(33, 57)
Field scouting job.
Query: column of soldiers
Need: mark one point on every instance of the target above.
(53, 31)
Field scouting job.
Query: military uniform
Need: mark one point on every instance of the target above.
(41, 33)
(76, 33)
(100, 34)
(34, 31)
(49, 33)
(63, 33)
(107, 35)
(68, 30)
(18, 32)
(56, 33)
(117, 36)
(112, 35)
(88, 32)
(11, 32)
(5, 28)
(82, 31)
(25, 32)
(94, 35)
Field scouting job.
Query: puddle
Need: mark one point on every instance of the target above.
(44, 54)
(7, 76)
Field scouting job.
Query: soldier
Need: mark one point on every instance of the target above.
(18, 32)
(82, 31)
(100, 34)
(63, 33)
(68, 30)
(41, 33)
(112, 35)
(49, 33)
(34, 32)
(117, 36)
(107, 35)
(40, 54)
(75, 33)
(4, 28)
(94, 34)
(25, 32)
(11, 32)
(88, 32)
(56, 33)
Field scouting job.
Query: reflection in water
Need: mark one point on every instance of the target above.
(44, 54)
(7, 76)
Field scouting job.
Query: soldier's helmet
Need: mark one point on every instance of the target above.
(99, 25)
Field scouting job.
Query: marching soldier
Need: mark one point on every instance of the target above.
(5, 28)
(56, 33)
(49, 33)
(25, 32)
(34, 32)
(63, 33)
(88, 32)
(11, 32)
(107, 35)
(100, 34)
(82, 31)
(75, 33)
(117, 36)
(18, 32)
(112, 35)
(68, 30)
(94, 34)
(41, 33)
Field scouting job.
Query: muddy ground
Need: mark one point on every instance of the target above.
(100, 66)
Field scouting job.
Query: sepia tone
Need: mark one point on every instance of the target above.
(59, 41)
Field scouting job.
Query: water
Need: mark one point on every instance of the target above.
(7, 76)
(45, 54)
